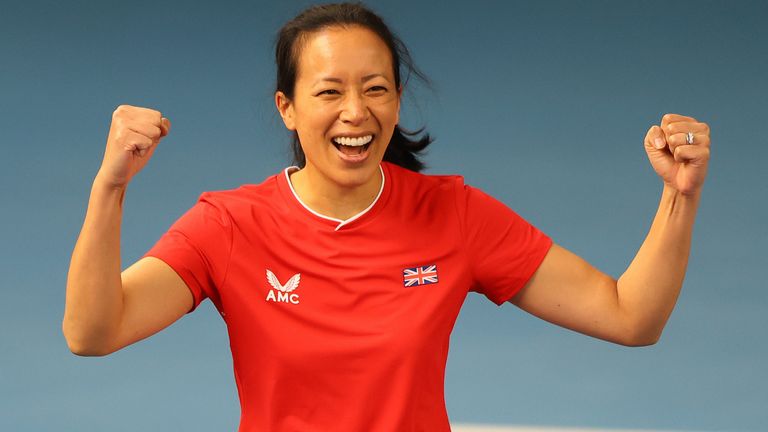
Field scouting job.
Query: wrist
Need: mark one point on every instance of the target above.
(688, 195)
(102, 182)
(677, 202)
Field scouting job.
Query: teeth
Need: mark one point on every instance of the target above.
(353, 142)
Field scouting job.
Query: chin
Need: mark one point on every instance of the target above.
(357, 176)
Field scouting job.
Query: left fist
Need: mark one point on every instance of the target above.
(681, 164)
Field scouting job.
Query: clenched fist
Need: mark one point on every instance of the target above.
(679, 152)
(133, 137)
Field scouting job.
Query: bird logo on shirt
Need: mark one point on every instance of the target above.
(283, 293)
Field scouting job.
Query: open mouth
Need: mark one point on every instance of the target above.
(352, 146)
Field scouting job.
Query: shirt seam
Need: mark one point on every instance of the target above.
(229, 254)
(370, 207)
(460, 187)
(340, 222)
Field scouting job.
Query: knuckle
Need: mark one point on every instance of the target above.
(119, 122)
(121, 111)
(124, 136)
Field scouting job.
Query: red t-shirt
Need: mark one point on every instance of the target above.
(345, 326)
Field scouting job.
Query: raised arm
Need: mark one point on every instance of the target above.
(106, 310)
(568, 291)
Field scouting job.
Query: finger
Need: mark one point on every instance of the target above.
(135, 141)
(165, 127)
(675, 141)
(139, 113)
(143, 112)
(146, 151)
(149, 151)
(655, 138)
(697, 128)
(678, 139)
(154, 118)
(672, 118)
(691, 154)
(148, 130)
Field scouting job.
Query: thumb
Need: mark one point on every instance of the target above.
(655, 138)
(165, 127)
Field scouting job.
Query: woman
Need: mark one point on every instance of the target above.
(340, 280)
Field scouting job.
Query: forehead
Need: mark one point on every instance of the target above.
(343, 51)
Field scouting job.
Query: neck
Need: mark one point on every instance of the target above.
(333, 200)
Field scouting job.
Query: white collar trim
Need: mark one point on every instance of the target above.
(341, 222)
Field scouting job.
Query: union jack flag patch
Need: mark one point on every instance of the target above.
(423, 275)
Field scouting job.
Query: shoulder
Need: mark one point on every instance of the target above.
(248, 192)
(418, 186)
(415, 184)
(242, 198)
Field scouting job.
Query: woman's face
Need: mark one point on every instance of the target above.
(345, 105)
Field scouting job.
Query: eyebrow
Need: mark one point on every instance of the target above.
(364, 79)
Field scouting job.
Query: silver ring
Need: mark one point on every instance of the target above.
(689, 138)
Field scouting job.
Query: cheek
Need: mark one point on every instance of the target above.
(314, 122)
(388, 112)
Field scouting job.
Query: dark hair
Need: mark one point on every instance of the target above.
(402, 149)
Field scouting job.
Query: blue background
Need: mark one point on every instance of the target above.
(542, 104)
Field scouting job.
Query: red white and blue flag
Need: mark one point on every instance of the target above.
(423, 275)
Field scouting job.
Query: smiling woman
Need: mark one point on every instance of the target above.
(340, 279)
(344, 109)
(292, 39)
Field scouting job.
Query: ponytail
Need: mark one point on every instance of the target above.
(404, 148)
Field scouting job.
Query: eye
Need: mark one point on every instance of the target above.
(377, 89)
(328, 92)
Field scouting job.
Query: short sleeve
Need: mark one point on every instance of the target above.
(504, 250)
(197, 246)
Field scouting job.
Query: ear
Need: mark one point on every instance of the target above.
(285, 108)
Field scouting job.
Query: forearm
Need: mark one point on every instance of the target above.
(94, 297)
(649, 288)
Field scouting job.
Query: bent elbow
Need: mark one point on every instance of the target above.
(79, 348)
(637, 343)
(83, 351)
(642, 339)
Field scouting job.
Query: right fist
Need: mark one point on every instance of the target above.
(133, 137)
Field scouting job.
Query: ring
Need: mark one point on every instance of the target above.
(689, 138)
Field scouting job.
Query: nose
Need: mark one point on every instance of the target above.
(354, 110)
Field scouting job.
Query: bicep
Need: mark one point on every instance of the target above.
(567, 291)
(154, 297)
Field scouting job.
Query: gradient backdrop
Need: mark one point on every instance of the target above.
(542, 104)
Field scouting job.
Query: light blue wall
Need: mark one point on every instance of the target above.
(543, 104)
